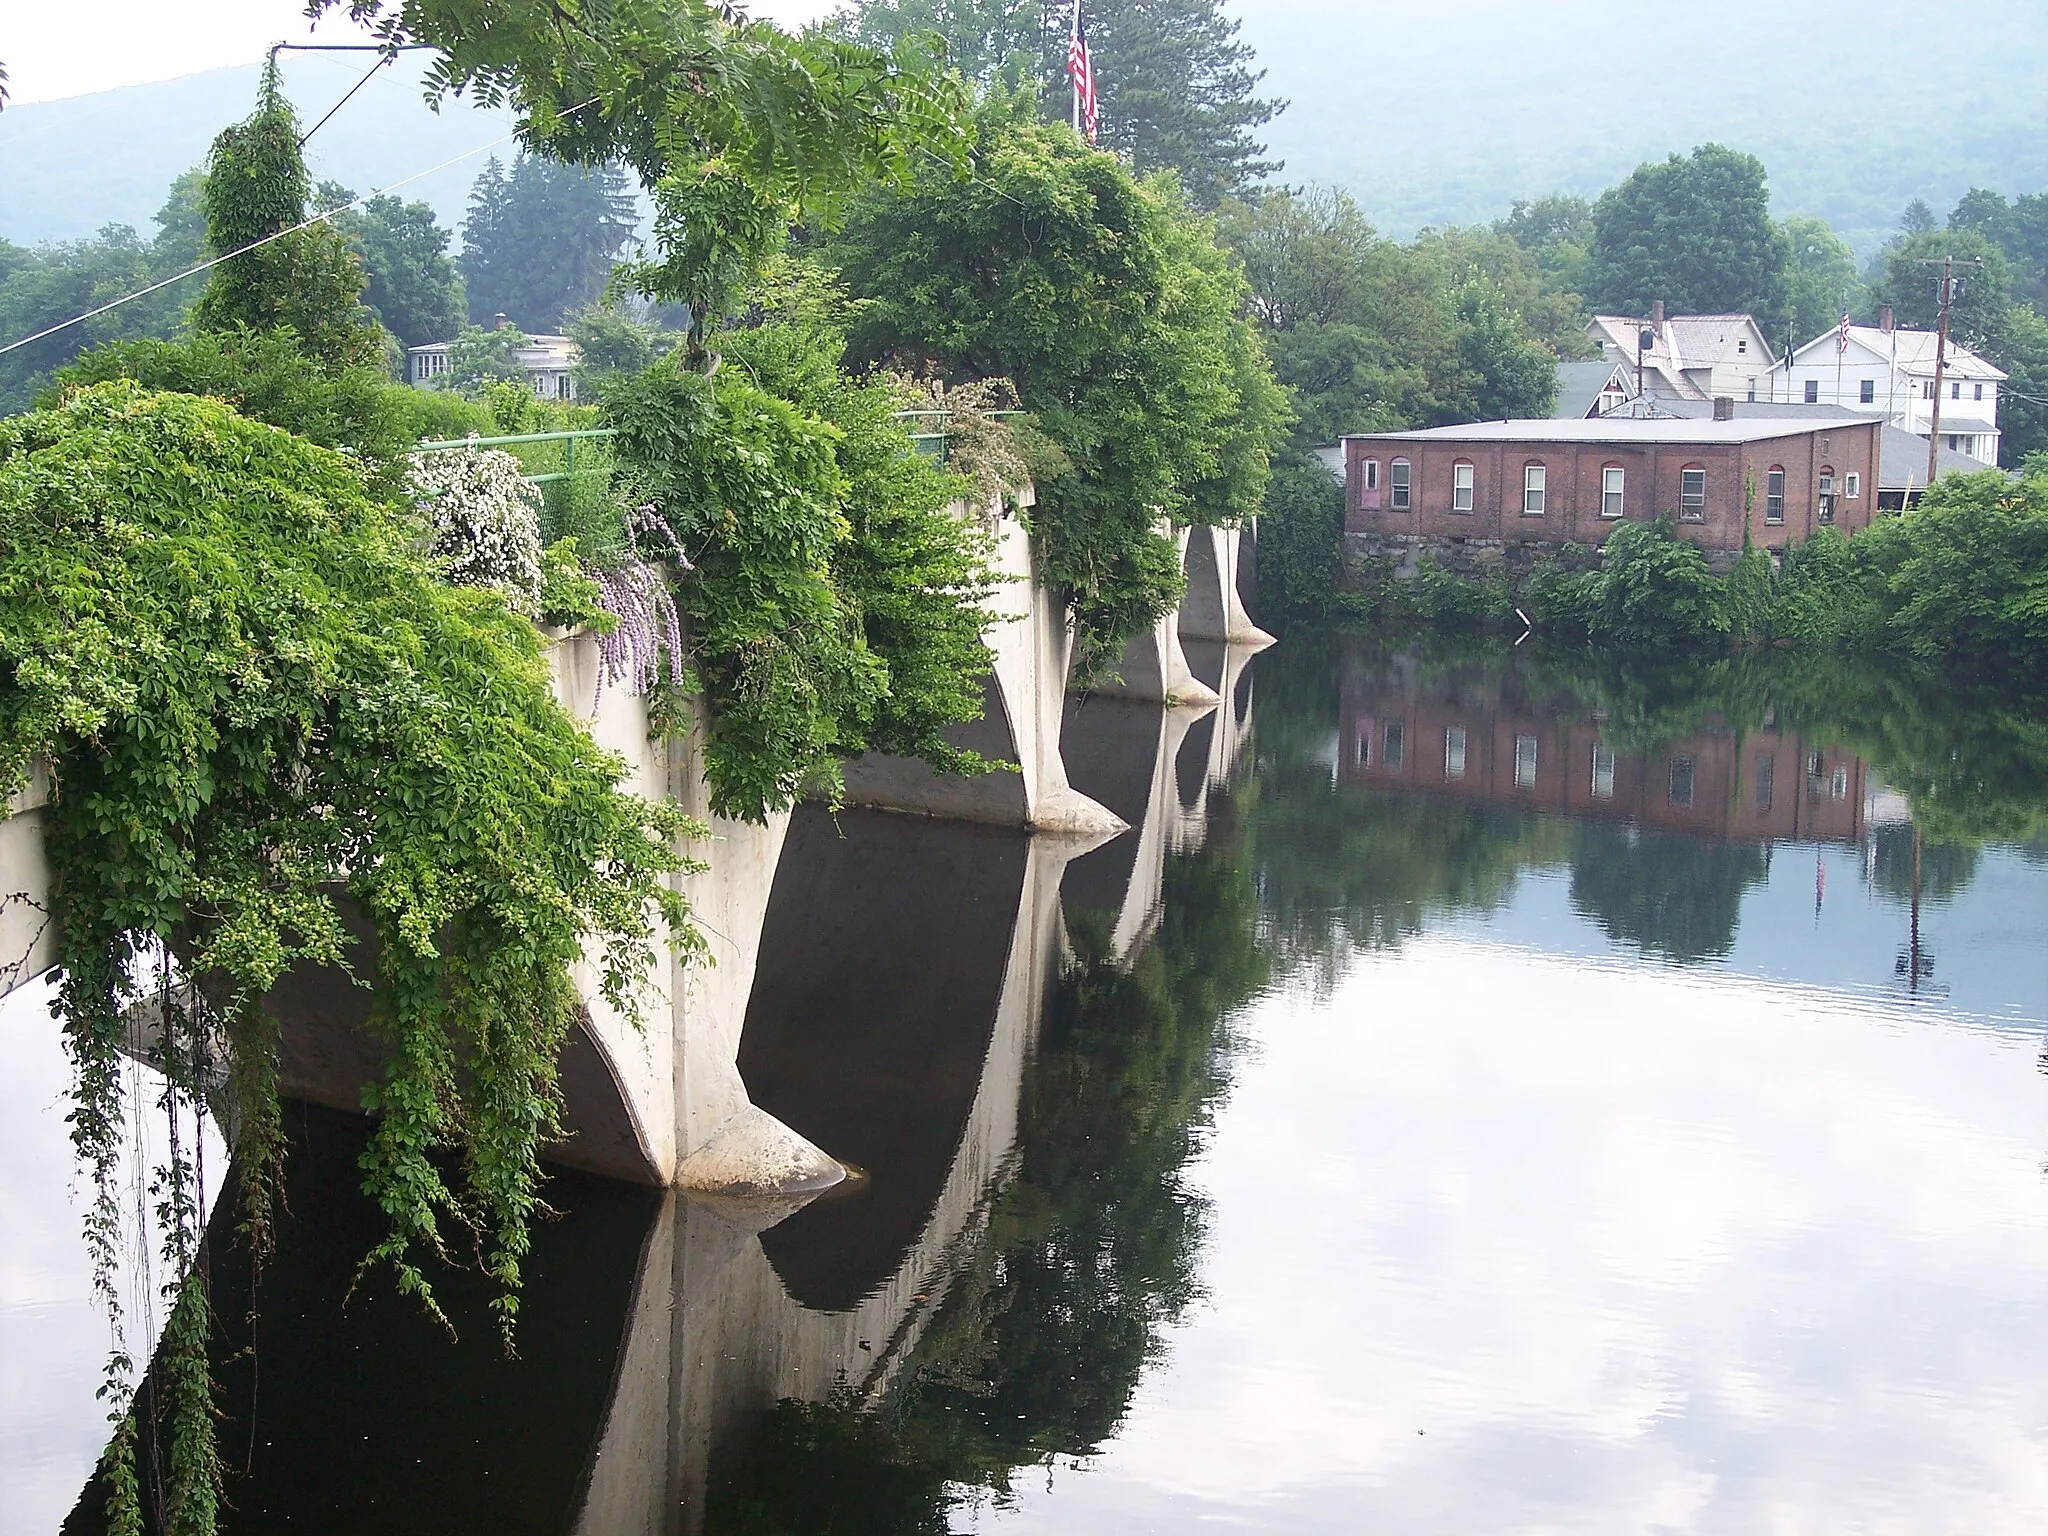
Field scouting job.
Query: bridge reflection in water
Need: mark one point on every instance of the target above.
(905, 967)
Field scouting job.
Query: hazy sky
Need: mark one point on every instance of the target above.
(53, 51)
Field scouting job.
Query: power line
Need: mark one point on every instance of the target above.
(320, 217)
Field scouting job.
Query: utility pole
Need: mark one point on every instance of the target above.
(1948, 265)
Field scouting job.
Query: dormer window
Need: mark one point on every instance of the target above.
(1742, 344)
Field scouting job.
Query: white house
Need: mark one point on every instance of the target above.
(1885, 371)
(549, 362)
(1690, 357)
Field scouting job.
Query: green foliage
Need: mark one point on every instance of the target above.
(256, 698)
(752, 487)
(1557, 231)
(307, 280)
(1513, 376)
(1908, 285)
(1823, 281)
(1695, 232)
(1111, 309)
(1963, 579)
(266, 377)
(414, 289)
(1301, 533)
(1651, 588)
(540, 241)
(612, 341)
(2020, 231)
(481, 356)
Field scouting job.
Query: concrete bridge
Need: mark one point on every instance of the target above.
(667, 1104)
(899, 970)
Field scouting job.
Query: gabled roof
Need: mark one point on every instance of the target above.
(1684, 342)
(1580, 385)
(1915, 352)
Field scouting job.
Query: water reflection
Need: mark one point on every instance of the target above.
(1468, 1044)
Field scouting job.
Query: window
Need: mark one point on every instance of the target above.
(1603, 771)
(1827, 493)
(1362, 752)
(1980, 391)
(1866, 392)
(1774, 494)
(1372, 474)
(1454, 752)
(1766, 771)
(1852, 485)
(1927, 389)
(1955, 390)
(1461, 486)
(1533, 476)
(1692, 494)
(1816, 766)
(1525, 762)
(1742, 344)
(1612, 483)
(1395, 740)
(1681, 782)
(1813, 391)
(1399, 487)
(1838, 786)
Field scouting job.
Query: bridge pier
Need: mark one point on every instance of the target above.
(1213, 608)
(1029, 639)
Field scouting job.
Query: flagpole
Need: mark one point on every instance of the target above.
(1074, 36)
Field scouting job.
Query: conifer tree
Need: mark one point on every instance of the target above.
(1176, 83)
(540, 240)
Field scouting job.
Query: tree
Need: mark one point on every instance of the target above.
(1695, 232)
(305, 279)
(1109, 305)
(1910, 284)
(541, 241)
(2019, 229)
(1823, 281)
(413, 286)
(1175, 82)
(1557, 231)
(1512, 376)
(991, 42)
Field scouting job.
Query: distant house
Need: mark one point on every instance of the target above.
(1689, 357)
(1723, 481)
(1598, 388)
(1890, 373)
(549, 361)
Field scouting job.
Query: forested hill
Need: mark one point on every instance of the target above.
(1445, 111)
(69, 167)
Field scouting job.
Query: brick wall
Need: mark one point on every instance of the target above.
(1736, 480)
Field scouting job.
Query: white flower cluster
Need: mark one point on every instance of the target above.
(485, 519)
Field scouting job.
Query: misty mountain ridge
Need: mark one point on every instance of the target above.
(1429, 115)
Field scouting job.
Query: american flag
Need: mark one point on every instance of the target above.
(1842, 335)
(1081, 70)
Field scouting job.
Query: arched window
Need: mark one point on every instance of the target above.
(1535, 478)
(1398, 485)
(1827, 493)
(1613, 486)
(1692, 493)
(1774, 494)
(1462, 480)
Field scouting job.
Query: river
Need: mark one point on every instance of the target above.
(1483, 1093)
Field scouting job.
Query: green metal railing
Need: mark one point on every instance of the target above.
(568, 440)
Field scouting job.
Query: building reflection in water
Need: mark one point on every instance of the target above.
(1481, 736)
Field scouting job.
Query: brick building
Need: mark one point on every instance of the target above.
(1572, 480)
(1482, 746)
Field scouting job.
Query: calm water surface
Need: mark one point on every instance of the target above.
(1477, 1096)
